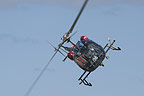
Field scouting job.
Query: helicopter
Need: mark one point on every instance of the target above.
(86, 53)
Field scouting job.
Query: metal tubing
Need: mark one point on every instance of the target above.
(82, 75)
(84, 78)
(110, 46)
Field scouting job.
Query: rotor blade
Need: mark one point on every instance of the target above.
(39, 76)
(61, 53)
(72, 27)
(56, 48)
(73, 34)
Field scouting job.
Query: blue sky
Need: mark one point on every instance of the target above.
(25, 28)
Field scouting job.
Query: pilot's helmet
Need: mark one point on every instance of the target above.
(84, 38)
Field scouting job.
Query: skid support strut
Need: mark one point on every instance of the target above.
(84, 79)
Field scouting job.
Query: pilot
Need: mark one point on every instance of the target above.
(84, 39)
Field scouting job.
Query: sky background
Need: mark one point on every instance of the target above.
(27, 25)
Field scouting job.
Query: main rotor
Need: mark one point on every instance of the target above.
(66, 35)
(65, 38)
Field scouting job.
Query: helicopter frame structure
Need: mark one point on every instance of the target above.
(84, 81)
(83, 77)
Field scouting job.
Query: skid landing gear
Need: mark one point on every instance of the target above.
(84, 79)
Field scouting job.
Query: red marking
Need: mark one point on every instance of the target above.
(82, 60)
(70, 55)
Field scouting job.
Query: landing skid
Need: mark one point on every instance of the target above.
(84, 79)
